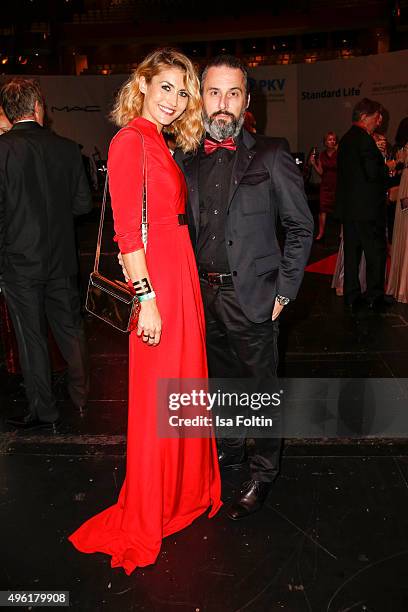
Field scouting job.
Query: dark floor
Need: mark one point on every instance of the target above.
(334, 534)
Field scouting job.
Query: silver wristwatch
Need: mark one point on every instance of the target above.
(283, 301)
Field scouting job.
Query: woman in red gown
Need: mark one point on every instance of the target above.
(169, 481)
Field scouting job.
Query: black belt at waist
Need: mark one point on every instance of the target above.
(171, 220)
(216, 278)
(182, 219)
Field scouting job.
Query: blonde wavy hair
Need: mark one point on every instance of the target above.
(188, 129)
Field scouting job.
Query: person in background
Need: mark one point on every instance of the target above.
(7, 335)
(386, 151)
(396, 154)
(361, 206)
(398, 276)
(42, 186)
(250, 122)
(338, 276)
(5, 124)
(86, 160)
(325, 164)
(170, 141)
(8, 340)
(382, 144)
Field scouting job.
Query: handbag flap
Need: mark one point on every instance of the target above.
(116, 288)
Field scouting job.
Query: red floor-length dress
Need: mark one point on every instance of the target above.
(169, 482)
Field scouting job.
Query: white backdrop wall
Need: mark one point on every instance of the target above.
(328, 92)
(79, 107)
(300, 102)
(274, 101)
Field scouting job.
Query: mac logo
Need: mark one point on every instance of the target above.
(71, 109)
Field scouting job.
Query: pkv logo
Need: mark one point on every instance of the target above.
(267, 85)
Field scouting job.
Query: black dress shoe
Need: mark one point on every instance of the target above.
(250, 499)
(389, 300)
(28, 422)
(358, 306)
(379, 305)
(228, 461)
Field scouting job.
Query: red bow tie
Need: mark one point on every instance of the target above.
(210, 146)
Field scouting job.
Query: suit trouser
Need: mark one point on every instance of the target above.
(31, 304)
(370, 237)
(239, 348)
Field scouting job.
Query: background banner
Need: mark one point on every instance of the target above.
(79, 107)
(274, 94)
(328, 92)
(300, 101)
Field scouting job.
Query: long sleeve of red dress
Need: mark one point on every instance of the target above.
(125, 169)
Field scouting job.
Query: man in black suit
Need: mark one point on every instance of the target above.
(238, 185)
(361, 206)
(42, 185)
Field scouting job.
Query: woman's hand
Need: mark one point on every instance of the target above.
(315, 162)
(311, 161)
(149, 325)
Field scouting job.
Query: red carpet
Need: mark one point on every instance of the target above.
(327, 265)
(323, 266)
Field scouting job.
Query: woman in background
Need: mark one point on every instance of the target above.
(169, 481)
(398, 277)
(325, 165)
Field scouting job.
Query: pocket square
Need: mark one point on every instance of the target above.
(254, 178)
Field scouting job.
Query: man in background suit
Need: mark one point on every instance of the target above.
(42, 186)
(361, 206)
(238, 185)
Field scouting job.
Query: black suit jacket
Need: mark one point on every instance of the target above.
(42, 185)
(361, 178)
(265, 185)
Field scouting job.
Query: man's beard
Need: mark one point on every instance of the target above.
(221, 129)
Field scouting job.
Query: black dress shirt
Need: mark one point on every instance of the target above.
(214, 183)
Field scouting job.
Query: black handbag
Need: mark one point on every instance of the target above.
(113, 301)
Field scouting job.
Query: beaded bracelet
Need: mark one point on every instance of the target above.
(146, 296)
